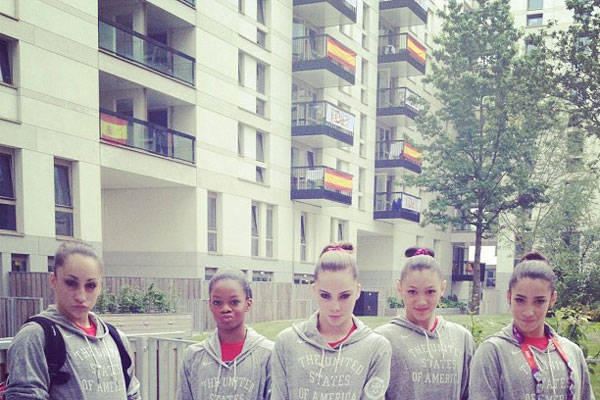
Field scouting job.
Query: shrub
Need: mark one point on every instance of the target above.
(135, 300)
(393, 302)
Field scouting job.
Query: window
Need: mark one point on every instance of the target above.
(211, 220)
(261, 107)
(209, 272)
(361, 188)
(363, 135)
(303, 279)
(533, 5)
(255, 230)
(51, 263)
(261, 37)
(262, 276)
(8, 202)
(241, 6)
(303, 231)
(261, 11)
(19, 262)
(535, 20)
(261, 78)
(270, 239)
(6, 75)
(240, 141)
(260, 150)
(339, 229)
(63, 215)
(241, 69)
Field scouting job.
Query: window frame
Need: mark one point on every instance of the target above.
(212, 215)
(60, 208)
(9, 199)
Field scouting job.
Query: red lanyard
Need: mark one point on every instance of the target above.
(535, 370)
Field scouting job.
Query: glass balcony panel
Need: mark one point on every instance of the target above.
(146, 136)
(144, 50)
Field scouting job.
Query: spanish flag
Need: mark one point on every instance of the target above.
(416, 49)
(337, 180)
(341, 54)
(113, 128)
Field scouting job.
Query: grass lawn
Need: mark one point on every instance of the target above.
(488, 323)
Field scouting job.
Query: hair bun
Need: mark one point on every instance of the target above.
(534, 256)
(415, 251)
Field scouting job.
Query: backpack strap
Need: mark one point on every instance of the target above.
(54, 350)
(125, 358)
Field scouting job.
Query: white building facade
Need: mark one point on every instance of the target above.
(181, 136)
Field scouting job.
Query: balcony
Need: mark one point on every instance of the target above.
(191, 3)
(320, 124)
(323, 13)
(145, 51)
(125, 131)
(398, 106)
(318, 184)
(398, 154)
(402, 53)
(404, 13)
(391, 205)
(322, 61)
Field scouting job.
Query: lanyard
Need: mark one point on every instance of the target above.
(535, 370)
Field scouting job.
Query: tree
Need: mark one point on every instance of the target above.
(481, 142)
(577, 51)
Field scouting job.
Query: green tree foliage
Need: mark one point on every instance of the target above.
(482, 140)
(577, 51)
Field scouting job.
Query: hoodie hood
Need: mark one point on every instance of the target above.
(212, 346)
(308, 332)
(61, 320)
(507, 334)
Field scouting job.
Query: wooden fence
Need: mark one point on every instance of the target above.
(15, 310)
(272, 300)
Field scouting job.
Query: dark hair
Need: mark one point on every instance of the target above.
(234, 275)
(69, 248)
(419, 259)
(337, 257)
(415, 251)
(533, 265)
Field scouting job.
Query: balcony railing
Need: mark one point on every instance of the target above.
(397, 205)
(126, 131)
(145, 51)
(321, 117)
(399, 97)
(398, 154)
(321, 182)
(402, 42)
(317, 47)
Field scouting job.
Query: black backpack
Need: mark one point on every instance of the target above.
(56, 354)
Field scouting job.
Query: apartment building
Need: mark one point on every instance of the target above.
(181, 136)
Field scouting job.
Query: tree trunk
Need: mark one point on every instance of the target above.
(476, 290)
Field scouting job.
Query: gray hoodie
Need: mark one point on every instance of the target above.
(500, 371)
(305, 367)
(93, 363)
(428, 365)
(204, 376)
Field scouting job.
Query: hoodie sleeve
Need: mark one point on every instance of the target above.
(587, 392)
(279, 389)
(28, 371)
(378, 377)
(485, 373)
(133, 391)
(183, 390)
(468, 356)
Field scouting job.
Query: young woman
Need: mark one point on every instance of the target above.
(233, 362)
(332, 355)
(92, 368)
(430, 356)
(527, 359)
